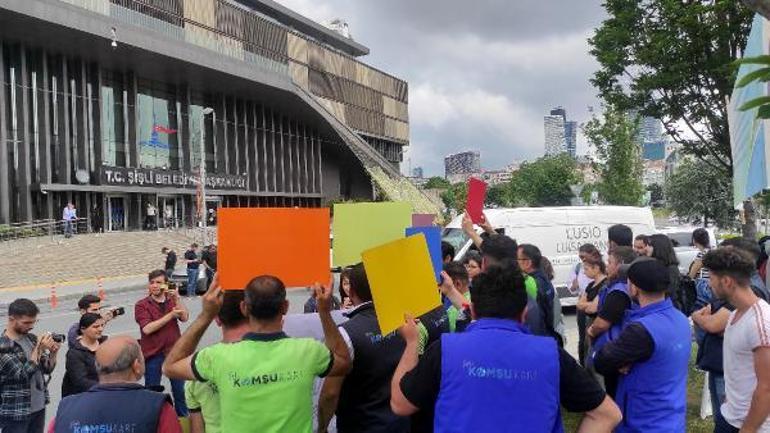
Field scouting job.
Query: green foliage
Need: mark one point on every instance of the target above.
(698, 193)
(498, 196)
(673, 60)
(656, 193)
(544, 182)
(615, 138)
(455, 196)
(437, 182)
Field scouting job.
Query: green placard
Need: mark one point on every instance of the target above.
(360, 226)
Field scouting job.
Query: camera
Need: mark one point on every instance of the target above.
(59, 338)
(118, 311)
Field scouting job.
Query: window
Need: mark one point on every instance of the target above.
(157, 128)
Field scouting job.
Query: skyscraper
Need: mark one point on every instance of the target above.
(458, 167)
(650, 138)
(560, 133)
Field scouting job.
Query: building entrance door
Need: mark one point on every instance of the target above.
(168, 212)
(117, 217)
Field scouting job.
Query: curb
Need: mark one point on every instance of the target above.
(44, 306)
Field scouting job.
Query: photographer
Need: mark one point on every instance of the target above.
(80, 374)
(24, 359)
(158, 316)
(90, 304)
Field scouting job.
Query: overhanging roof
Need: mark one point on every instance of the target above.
(305, 25)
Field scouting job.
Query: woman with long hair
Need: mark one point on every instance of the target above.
(588, 304)
(663, 251)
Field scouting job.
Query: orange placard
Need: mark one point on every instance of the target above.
(291, 244)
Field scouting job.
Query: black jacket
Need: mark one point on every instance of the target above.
(80, 373)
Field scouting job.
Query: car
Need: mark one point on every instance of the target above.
(681, 237)
(179, 277)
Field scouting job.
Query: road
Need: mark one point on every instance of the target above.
(61, 319)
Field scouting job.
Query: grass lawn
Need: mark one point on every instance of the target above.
(694, 389)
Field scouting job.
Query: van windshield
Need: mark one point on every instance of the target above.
(456, 237)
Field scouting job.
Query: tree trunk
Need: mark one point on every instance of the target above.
(762, 7)
(749, 221)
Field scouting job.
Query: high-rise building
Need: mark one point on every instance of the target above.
(115, 105)
(560, 133)
(650, 138)
(417, 172)
(458, 167)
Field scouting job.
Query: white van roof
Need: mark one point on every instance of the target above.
(565, 215)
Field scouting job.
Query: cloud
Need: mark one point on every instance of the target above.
(482, 75)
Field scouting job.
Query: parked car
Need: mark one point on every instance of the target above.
(558, 232)
(681, 237)
(180, 279)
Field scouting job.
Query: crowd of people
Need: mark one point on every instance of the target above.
(489, 359)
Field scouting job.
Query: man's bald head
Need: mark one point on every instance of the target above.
(120, 358)
(265, 298)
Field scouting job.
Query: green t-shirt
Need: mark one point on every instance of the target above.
(203, 397)
(452, 312)
(265, 381)
(531, 285)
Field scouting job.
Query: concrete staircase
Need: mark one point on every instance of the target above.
(84, 257)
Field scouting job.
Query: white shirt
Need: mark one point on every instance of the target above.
(583, 280)
(750, 332)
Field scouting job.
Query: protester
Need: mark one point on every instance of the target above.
(614, 301)
(265, 356)
(588, 303)
(663, 251)
(170, 263)
(191, 259)
(481, 380)
(24, 359)
(87, 304)
(344, 290)
(752, 250)
(698, 272)
(447, 252)
(620, 235)
(209, 260)
(80, 373)
(362, 398)
(530, 261)
(202, 398)
(579, 283)
(642, 246)
(651, 355)
(456, 277)
(472, 262)
(118, 402)
(70, 217)
(746, 343)
(158, 316)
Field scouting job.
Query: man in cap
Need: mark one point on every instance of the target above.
(651, 353)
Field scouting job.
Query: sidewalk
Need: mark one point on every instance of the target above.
(67, 294)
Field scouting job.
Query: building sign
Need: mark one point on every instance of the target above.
(151, 177)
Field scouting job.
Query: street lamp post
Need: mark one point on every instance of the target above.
(205, 112)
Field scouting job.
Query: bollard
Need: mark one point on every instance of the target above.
(53, 300)
(102, 295)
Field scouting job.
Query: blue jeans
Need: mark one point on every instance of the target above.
(68, 228)
(718, 396)
(152, 376)
(192, 281)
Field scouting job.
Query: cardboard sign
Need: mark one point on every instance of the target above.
(402, 281)
(291, 244)
(423, 219)
(361, 226)
(477, 193)
(433, 239)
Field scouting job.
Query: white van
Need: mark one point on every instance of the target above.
(558, 232)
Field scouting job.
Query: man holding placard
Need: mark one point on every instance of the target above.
(362, 398)
(481, 380)
(265, 381)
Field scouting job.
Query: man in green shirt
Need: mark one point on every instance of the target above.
(203, 397)
(265, 381)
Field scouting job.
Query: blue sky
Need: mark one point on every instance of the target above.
(481, 74)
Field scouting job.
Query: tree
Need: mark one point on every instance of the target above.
(615, 139)
(656, 193)
(437, 182)
(455, 196)
(545, 182)
(698, 193)
(673, 60)
(498, 196)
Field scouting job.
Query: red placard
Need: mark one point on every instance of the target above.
(477, 193)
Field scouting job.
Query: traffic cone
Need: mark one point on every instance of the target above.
(54, 300)
(102, 295)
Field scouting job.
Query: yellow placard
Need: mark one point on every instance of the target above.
(360, 226)
(402, 281)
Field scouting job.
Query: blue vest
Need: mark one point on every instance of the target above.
(508, 382)
(118, 407)
(653, 395)
(615, 329)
